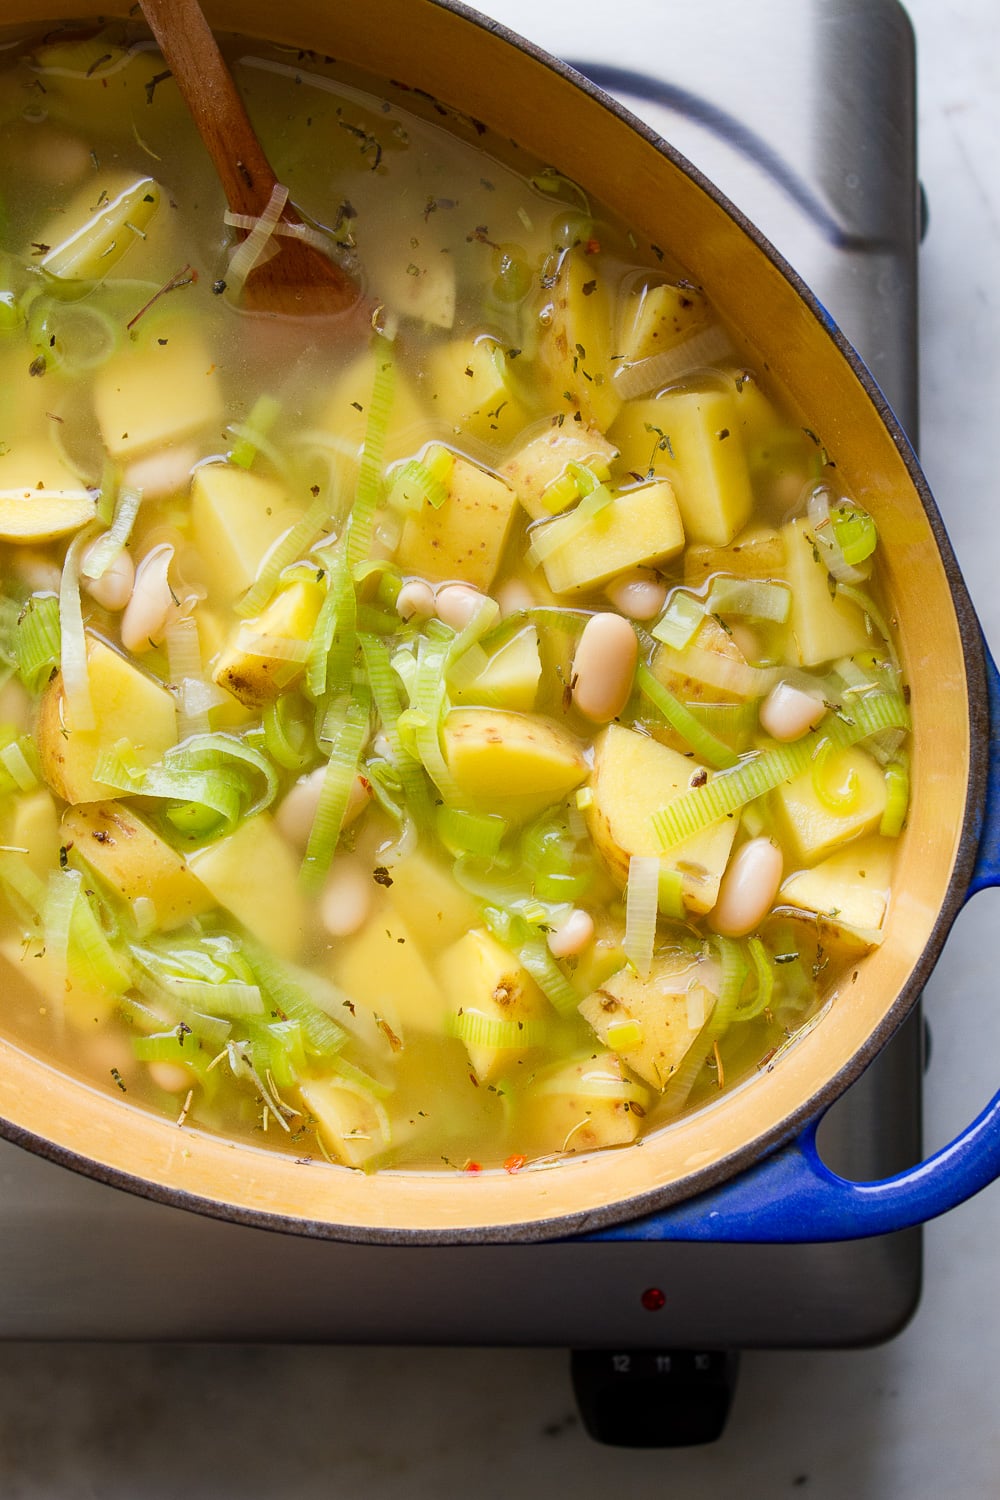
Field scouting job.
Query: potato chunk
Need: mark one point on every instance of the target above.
(41, 499)
(848, 889)
(634, 777)
(538, 470)
(134, 861)
(659, 317)
(652, 1023)
(127, 705)
(351, 1121)
(383, 968)
(817, 824)
(150, 397)
(511, 762)
(252, 873)
(482, 978)
(466, 536)
(577, 348)
(252, 672)
(237, 519)
(639, 528)
(510, 677)
(691, 438)
(467, 388)
(823, 626)
(585, 1104)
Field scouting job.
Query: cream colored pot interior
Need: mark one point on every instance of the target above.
(518, 94)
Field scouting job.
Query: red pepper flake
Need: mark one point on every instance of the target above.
(472, 1166)
(514, 1163)
(593, 247)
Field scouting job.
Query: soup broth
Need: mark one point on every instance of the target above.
(459, 733)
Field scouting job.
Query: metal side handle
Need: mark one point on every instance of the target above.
(792, 1197)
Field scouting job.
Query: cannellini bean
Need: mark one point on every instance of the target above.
(415, 598)
(149, 609)
(748, 888)
(639, 594)
(170, 1077)
(514, 596)
(36, 570)
(787, 713)
(162, 473)
(604, 666)
(456, 603)
(574, 933)
(113, 589)
(297, 812)
(15, 706)
(346, 898)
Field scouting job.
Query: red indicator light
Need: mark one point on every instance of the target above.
(653, 1299)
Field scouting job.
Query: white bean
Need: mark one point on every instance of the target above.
(172, 1078)
(147, 613)
(415, 598)
(787, 713)
(297, 812)
(574, 933)
(456, 603)
(748, 888)
(162, 473)
(514, 596)
(639, 594)
(113, 589)
(346, 898)
(604, 666)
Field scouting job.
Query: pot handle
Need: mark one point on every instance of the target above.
(792, 1197)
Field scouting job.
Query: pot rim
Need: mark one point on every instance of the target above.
(660, 1196)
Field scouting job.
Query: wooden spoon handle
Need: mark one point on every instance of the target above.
(206, 85)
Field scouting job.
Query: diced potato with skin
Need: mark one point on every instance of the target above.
(153, 396)
(668, 1010)
(823, 625)
(465, 537)
(134, 861)
(91, 251)
(467, 388)
(690, 438)
(656, 318)
(382, 967)
(816, 827)
(849, 889)
(510, 677)
(41, 499)
(638, 528)
(479, 974)
(514, 763)
(537, 470)
(634, 777)
(585, 1104)
(352, 1125)
(433, 906)
(577, 348)
(244, 666)
(31, 824)
(758, 552)
(421, 287)
(237, 518)
(254, 875)
(127, 705)
(710, 667)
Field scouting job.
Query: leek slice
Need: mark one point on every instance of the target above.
(107, 548)
(897, 801)
(348, 727)
(464, 832)
(73, 641)
(641, 903)
(680, 621)
(478, 1030)
(709, 750)
(752, 597)
(361, 523)
(38, 641)
(382, 681)
(730, 790)
(734, 973)
(251, 436)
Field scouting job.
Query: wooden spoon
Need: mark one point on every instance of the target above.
(300, 280)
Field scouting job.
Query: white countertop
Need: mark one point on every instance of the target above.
(917, 1418)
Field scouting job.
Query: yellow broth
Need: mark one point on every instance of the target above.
(460, 738)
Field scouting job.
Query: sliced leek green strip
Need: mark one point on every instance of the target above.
(709, 750)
